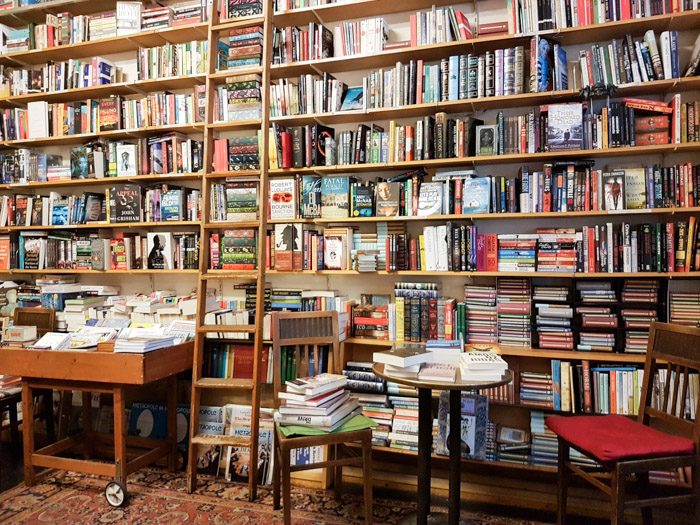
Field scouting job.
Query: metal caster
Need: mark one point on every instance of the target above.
(115, 494)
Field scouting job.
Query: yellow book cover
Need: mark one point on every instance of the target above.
(272, 150)
(421, 242)
(399, 318)
(392, 141)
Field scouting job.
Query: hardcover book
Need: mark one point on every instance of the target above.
(283, 203)
(486, 140)
(430, 199)
(635, 189)
(127, 159)
(288, 241)
(614, 190)
(171, 204)
(476, 195)
(109, 114)
(362, 199)
(335, 202)
(160, 251)
(125, 203)
(388, 201)
(564, 127)
(310, 197)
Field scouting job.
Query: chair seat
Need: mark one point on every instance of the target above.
(614, 438)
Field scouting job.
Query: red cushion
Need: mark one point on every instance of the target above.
(616, 438)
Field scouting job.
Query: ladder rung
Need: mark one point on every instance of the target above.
(224, 382)
(236, 441)
(227, 328)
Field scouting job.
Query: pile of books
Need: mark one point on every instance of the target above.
(635, 317)
(481, 316)
(481, 366)
(234, 250)
(242, 48)
(319, 401)
(362, 379)
(188, 13)
(371, 321)
(404, 360)
(536, 389)
(517, 252)
(512, 445)
(103, 25)
(553, 318)
(156, 17)
(404, 427)
(239, 99)
(513, 307)
(545, 446)
(556, 251)
(229, 9)
(9, 385)
(142, 345)
(685, 308)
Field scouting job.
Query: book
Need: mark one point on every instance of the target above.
(283, 203)
(565, 127)
(125, 203)
(388, 199)
(335, 202)
(614, 190)
(486, 140)
(160, 251)
(635, 188)
(127, 159)
(310, 197)
(430, 199)
(476, 195)
(403, 356)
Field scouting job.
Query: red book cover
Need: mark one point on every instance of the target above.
(413, 253)
(481, 252)
(458, 196)
(243, 356)
(587, 398)
(587, 191)
(414, 33)
(594, 189)
(547, 196)
(625, 9)
(591, 250)
(419, 71)
(670, 249)
(651, 139)
(491, 252)
(286, 140)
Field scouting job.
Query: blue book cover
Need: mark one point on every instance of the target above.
(476, 195)
(556, 384)
(453, 71)
(171, 205)
(148, 420)
(335, 199)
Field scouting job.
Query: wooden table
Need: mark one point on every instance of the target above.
(425, 438)
(98, 372)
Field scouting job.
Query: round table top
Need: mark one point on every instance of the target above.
(378, 369)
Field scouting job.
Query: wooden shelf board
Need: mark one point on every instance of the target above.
(98, 272)
(493, 216)
(230, 274)
(98, 225)
(227, 329)
(233, 23)
(105, 181)
(221, 76)
(18, 16)
(106, 90)
(108, 46)
(230, 225)
(664, 149)
(195, 127)
(469, 275)
(224, 383)
(232, 174)
(235, 125)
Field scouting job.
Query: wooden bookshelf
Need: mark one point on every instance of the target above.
(100, 225)
(49, 271)
(107, 181)
(468, 275)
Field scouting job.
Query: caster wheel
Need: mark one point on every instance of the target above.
(115, 494)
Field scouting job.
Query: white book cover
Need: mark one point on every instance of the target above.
(126, 160)
(160, 251)
(37, 119)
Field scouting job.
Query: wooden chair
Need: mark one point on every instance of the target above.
(308, 333)
(661, 438)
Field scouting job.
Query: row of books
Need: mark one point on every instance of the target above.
(234, 201)
(241, 49)
(530, 16)
(294, 44)
(230, 9)
(59, 76)
(235, 361)
(41, 119)
(561, 187)
(39, 250)
(233, 250)
(627, 60)
(65, 28)
(238, 99)
(172, 60)
(684, 308)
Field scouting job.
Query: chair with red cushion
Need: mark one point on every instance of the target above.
(663, 438)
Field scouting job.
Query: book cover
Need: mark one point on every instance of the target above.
(564, 127)
(283, 203)
(635, 188)
(388, 199)
(109, 114)
(476, 195)
(363, 200)
(171, 204)
(335, 202)
(160, 251)
(334, 249)
(125, 203)
(353, 100)
(310, 197)
(486, 140)
(430, 198)
(288, 241)
(614, 190)
(127, 159)
(79, 162)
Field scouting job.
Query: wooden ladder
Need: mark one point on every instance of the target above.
(248, 387)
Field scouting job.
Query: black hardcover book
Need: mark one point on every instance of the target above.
(125, 203)
(297, 147)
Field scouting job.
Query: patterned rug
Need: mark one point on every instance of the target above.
(159, 497)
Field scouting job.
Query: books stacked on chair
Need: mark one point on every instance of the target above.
(319, 401)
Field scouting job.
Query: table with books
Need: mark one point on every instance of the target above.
(104, 372)
(470, 372)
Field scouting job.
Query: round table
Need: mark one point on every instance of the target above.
(425, 438)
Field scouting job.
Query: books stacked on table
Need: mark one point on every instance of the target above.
(141, 345)
(481, 315)
(445, 350)
(685, 308)
(513, 306)
(635, 317)
(438, 372)
(403, 360)
(536, 389)
(481, 366)
(553, 318)
(404, 428)
(319, 401)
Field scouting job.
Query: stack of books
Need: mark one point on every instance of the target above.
(238, 9)
(404, 427)
(517, 252)
(362, 379)
(438, 372)
(553, 318)
(481, 366)
(404, 360)
(514, 306)
(512, 445)
(545, 448)
(319, 401)
(556, 251)
(635, 317)
(188, 13)
(142, 345)
(242, 48)
(536, 389)
(481, 315)
(239, 99)
(156, 17)
(103, 25)
(376, 408)
(685, 308)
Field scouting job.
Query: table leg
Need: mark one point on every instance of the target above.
(87, 424)
(120, 435)
(425, 445)
(28, 433)
(47, 397)
(14, 424)
(172, 422)
(455, 445)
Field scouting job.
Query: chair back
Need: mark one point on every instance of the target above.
(671, 389)
(43, 318)
(307, 335)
